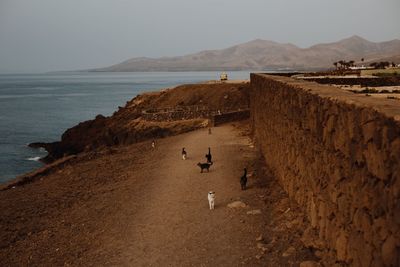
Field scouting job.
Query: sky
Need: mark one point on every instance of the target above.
(51, 35)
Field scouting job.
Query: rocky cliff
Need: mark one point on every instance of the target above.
(130, 125)
(338, 155)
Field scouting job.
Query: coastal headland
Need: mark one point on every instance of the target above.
(324, 182)
(151, 115)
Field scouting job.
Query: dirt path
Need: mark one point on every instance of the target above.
(175, 224)
(135, 206)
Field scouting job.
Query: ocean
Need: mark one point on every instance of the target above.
(40, 107)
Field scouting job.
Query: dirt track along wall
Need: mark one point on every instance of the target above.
(338, 155)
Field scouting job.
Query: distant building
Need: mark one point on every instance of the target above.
(224, 76)
(362, 67)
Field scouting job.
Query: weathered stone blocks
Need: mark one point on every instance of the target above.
(338, 155)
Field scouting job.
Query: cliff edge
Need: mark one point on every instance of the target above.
(151, 115)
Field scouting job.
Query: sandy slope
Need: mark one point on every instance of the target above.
(135, 206)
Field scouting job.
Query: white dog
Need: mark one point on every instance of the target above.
(211, 199)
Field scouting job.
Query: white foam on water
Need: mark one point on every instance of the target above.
(34, 158)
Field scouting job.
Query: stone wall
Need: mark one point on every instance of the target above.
(176, 115)
(338, 155)
(195, 112)
(219, 119)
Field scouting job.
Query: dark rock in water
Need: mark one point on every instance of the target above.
(37, 145)
(52, 149)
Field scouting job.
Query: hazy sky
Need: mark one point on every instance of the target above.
(48, 35)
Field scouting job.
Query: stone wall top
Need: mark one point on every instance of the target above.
(389, 107)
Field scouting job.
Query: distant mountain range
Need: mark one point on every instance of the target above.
(267, 55)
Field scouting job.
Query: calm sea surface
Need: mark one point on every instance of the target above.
(40, 107)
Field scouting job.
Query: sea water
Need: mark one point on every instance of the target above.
(40, 107)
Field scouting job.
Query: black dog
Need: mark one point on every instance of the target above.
(184, 154)
(208, 156)
(204, 166)
(243, 179)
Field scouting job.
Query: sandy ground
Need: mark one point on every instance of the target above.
(138, 206)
